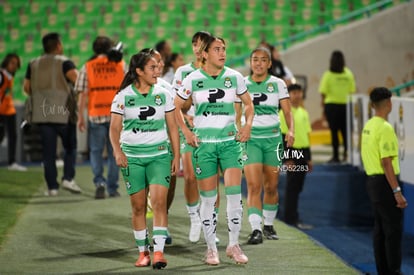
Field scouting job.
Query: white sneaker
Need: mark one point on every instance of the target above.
(51, 193)
(16, 167)
(195, 229)
(71, 186)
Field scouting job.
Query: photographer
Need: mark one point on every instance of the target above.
(98, 82)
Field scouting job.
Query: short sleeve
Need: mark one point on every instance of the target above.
(241, 85)
(387, 143)
(185, 90)
(169, 101)
(118, 104)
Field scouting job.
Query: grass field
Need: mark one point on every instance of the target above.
(72, 234)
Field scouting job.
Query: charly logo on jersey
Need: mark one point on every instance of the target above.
(158, 100)
(145, 112)
(270, 88)
(227, 82)
(258, 97)
(200, 84)
(130, 102)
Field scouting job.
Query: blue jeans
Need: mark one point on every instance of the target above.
(50, 133)
(98, 139)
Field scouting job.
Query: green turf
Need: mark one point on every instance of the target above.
(73, 234)
(16, 189)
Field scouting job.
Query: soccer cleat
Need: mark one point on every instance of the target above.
(270, 233)
(236, 253)
(256, 237)
(195, 229)
(159, 261)
(71, 186)
(143, 260)
(211, 257)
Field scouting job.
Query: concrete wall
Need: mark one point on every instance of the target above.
(379, 50)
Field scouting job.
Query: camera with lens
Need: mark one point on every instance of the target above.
(115, 54)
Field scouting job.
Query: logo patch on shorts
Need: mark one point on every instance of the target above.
(198, 170)
(128, 185)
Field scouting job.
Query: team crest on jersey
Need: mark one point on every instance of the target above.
(227, 82)
(158, 100)
(270, 88)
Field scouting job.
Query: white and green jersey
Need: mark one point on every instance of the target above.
(180, 74)
(265, 96)
(213, 100)
(144, 130)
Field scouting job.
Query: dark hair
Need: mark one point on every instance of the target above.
(202, 35)
(378, 94)
(294, 87)
(171, 59)
(160, 45)
(337, 62)
(138, 61)
(262, 49)
(102, 45)
(8, 58)
(50, 42)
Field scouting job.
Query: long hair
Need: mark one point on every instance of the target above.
(202, 35)
(138, 61)
(205, 45)
(7, 60)
(337, 62)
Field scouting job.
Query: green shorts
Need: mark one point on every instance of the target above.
(268, 151)
(208, 156)
(141, 172)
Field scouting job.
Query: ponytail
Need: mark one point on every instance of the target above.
(129, 78)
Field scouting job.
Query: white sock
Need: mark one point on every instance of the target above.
(140, 239)
(269, 213)
(159, 234)
(208, 217)
(255, 218)
(234, 213)
(194, 211)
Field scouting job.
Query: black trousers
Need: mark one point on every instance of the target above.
(294, 185)
(388, 227)
(336, 117)
(9, 123)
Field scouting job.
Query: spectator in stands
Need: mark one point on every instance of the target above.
(379, 152)
(297, 161)
(175, 61)
(142, 122)
(213, 89)
(49, 82)
(9, 66)
(278, 69)
(336, 85)
(164, 48)
(98, 82)
(262, 162)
